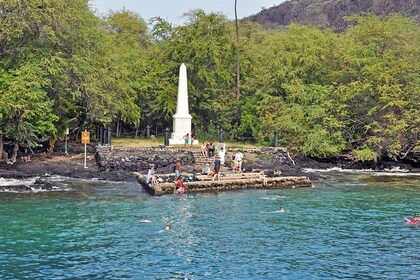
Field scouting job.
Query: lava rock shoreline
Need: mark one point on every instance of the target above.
(120, 167)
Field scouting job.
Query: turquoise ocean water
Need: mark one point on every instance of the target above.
(349, 226)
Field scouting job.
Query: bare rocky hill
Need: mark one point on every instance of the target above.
(330, 13)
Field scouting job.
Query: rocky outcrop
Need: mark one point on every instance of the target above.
(126, 159)
(39, 185)
(331, 13)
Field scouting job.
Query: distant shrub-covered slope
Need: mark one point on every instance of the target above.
(330, 13)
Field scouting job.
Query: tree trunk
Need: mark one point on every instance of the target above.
(15, 152)
(238, 63)
(52, 144)
(137, 133)
(118, 133)
(118, 129)
(1, 148)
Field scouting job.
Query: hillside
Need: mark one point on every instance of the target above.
(330, 13)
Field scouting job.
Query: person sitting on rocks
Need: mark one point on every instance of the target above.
(206, 169)
(211, 149)
(151, 178)
(179, 185)
(203, 150)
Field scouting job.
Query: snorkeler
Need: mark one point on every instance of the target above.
(168, 227)
(415, 219)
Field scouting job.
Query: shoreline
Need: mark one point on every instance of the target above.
(73, 166)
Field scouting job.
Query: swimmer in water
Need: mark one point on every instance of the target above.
(415, 219)
(281, 210)
(168, 227)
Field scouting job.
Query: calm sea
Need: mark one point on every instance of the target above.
(349, 226)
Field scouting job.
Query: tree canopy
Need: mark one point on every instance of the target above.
(326, 93)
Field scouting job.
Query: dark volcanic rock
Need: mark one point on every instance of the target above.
(118, 164)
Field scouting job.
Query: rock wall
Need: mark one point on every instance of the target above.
(138, 159)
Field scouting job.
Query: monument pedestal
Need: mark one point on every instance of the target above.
(177, 141)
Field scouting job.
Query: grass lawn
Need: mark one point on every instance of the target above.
(155, 142)
(137, 143)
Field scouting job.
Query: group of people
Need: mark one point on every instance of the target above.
(219, 161)
(208, 150)
(151, 177)
(189, 139)
(215, 173)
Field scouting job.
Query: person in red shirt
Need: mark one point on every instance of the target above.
(415, 219)
(180, 185)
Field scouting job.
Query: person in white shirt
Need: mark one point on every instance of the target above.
(222, 156)
(151, 175)
(238, 159)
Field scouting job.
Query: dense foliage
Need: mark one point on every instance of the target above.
(62, 67)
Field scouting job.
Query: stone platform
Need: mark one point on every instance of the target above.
(233, 181)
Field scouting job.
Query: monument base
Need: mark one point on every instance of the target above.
(181, 142)
(178, 139)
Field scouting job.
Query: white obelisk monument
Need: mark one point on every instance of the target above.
(182, 118)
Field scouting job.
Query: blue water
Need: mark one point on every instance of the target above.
(350, 226)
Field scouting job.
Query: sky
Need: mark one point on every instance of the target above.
(172, 10)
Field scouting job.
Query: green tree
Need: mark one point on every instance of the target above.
(297, 97)
(26, 111)
(131, 40)
(379, 81)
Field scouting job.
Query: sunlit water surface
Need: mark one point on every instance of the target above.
(348, 226)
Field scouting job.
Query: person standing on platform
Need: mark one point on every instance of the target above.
(178, 168)
(186, 139)
(233, 162)
(217, 165)
(222, 156)
(192, 139)
(238, 160)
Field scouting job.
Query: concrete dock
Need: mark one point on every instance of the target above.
(231, 181)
